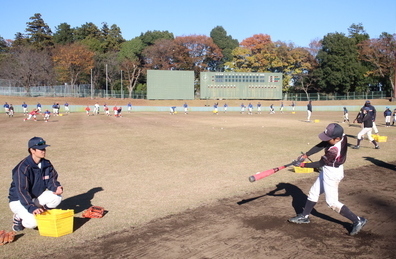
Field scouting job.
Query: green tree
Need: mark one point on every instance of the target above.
(3, 45)
(64, 34)
(39, 33)
(357, 32)
(359, 35)
(20, 40)
(339, 68)
(87, 31)
(226, 43)
(150, 37)
(111, 38)
(131, 63)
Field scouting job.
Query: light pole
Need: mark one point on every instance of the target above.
(122, 90)
(91, 86)
(107, 85)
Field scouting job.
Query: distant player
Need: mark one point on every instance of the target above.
(309, 110)
(106, 109)
(259, 108)
(87, 110)
(32, 114)
(185, 108)
(346, 116)
(215, 108)
(243, 108)
(66, 105)
(25, 109)
(96, 109)
(47, 115)
(129, 107)
(394, 117)
(11, 111)
(225, 106)
(6, 107)
(388, 116)
(272, 110)
(119, 110)
(172, 110)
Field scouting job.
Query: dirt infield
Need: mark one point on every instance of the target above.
(176, 186)
(255, 226)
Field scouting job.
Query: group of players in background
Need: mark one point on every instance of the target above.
(390, 117)
(56, 108)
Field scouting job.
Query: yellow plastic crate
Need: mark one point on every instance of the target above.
(300, 170)
(381, 138)
(55, 223)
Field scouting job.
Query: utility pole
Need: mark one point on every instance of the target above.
(107, 85)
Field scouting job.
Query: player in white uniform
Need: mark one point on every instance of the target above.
(335, 144)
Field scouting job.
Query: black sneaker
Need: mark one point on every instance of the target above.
(17, 224)
(376, 147)
(357, 226)
(356, 147)
(300, 219)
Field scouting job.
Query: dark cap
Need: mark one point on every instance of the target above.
(332, 131)
(37, 143)
(368, 102)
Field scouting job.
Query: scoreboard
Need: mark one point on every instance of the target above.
(240, 85)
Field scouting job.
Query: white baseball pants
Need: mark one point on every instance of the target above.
(327, 182)
(47, 198)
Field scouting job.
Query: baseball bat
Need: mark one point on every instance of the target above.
(261, 175)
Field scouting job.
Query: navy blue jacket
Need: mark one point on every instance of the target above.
(29, 181)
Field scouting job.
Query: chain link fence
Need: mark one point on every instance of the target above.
(9, 88)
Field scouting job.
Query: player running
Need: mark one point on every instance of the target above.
(32, 114)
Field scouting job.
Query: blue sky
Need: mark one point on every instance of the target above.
(288, 20)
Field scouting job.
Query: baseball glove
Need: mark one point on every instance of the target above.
(94, 212)
(6, 237)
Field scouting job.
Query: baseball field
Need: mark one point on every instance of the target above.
(176, 186)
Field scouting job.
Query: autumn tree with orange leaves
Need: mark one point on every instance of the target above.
(72, 62)
(381, 54)
(165, 54)
(202, 51)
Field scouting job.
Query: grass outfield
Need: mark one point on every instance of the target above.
(146, 165)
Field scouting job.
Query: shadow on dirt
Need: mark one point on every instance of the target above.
(80, 202)
(380, 163)
(298, 202)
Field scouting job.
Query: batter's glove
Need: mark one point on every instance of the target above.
(6, 237)
(301, 158)
(298, 163)
(94, 212)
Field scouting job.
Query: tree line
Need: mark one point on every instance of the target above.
(337, 63)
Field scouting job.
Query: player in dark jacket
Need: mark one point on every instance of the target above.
(34, 187)
(367, 129)
(388, 116)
